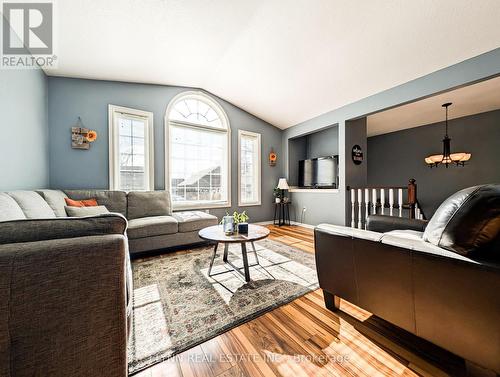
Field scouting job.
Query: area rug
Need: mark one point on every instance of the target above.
(177, 306)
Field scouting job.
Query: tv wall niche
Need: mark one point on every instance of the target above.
(313, 145)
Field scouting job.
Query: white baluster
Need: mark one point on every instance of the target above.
(417, 211)
(367, 201)
(391, 201)
(400, 202)
(353, 201)
(360, 199)
(382, 200)
(374, 201)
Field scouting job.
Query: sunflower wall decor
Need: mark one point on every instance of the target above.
(81, 137)
(272, 158)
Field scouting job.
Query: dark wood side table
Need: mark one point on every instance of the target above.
(216, 234)
(282, 213)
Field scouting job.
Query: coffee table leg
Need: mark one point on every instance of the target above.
(213, 259)
(255, 252)
(245, 261)
(226, 251)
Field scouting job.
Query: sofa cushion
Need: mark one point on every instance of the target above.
(151, 226)
(86, 211)
(148, 204)
(32, 204)
(421, 246)
(55, 199)
(114, 201)
(190, 221)
(32, 230)
(406, 233)
(9, 209)
(468, 222)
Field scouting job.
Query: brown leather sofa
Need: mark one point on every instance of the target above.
(439, 281)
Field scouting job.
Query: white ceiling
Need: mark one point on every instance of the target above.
(468, 100)
(284, 61)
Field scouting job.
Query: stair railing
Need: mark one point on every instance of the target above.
(383, 200)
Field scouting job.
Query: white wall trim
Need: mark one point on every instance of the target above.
(259, 166)
(114, 142)
(323, 191)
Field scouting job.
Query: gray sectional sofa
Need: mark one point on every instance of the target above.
(151, 223)
(66, 282)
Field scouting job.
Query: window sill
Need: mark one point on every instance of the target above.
(202, 206)
(249, 204)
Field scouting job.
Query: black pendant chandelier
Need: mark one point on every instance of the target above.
(447, 157)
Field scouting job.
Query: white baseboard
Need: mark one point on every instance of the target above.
(291, 222)
(304, 225)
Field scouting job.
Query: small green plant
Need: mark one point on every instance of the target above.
(277, 192)
(240, 217)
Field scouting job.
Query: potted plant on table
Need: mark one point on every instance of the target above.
(277, 193)
(237, 223)
(241, 221)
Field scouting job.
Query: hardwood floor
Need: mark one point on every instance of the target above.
(304, 338)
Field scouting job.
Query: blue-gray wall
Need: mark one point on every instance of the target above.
(466, 72)
(89, 99)
(398, 156)
(24, 154)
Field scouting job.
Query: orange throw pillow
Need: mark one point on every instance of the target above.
(81, 203)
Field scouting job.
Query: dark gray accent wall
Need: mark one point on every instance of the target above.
(398, 156)
(24, 154)
(323, 143)
(356, 175)
(466, 72)
(297, 150)
(89, 99)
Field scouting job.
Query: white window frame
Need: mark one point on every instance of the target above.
(227, 129)
(242, 133)
(114, 143)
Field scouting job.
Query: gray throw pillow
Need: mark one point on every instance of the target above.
(85, 211)
(468, 222)
(148, 204)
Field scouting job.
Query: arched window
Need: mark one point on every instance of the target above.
(197, 151)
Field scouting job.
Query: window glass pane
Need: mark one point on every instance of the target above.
(138, 128)
(199, 165)
(249, 169)
(132, 153)
(125, 126)
(195, 111)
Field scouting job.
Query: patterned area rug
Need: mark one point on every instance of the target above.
(177, 306)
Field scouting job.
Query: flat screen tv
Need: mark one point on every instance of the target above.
(322, 172)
